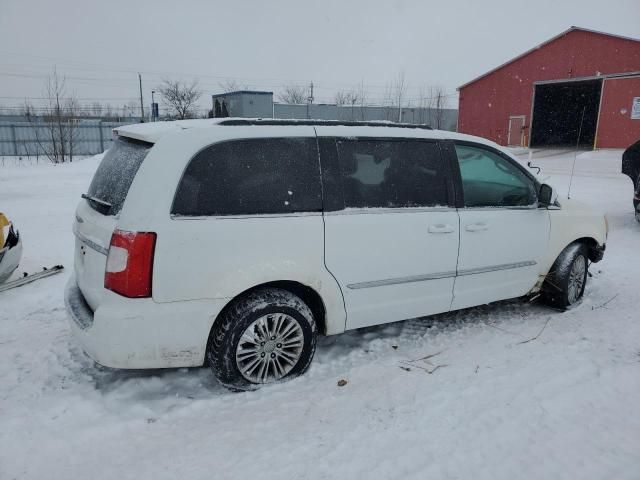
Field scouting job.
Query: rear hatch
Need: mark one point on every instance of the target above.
(98, 212)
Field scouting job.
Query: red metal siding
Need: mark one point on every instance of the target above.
(486, 104)
(616, 129)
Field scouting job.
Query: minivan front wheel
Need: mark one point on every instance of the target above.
(567, 279)
(266, 336)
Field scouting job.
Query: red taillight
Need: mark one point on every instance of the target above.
(129, 269)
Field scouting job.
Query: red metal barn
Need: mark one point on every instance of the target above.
(580, 87)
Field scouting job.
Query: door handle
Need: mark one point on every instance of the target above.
(440, 228)
(476, 227)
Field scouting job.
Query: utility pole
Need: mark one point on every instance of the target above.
(309, 98)
(141, 101)
(154, 110)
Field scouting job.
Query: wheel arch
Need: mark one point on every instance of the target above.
(306, 293)
(595, 250)
(593, 247)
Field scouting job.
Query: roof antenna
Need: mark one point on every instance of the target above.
(575, 154)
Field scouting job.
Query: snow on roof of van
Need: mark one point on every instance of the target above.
(152, 132)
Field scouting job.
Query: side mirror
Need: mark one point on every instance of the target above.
(547, 195)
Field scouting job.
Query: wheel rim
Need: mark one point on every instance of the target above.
(269, 348)
(576, 279)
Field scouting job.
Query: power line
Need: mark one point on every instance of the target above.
(122, 82)
(266, 81)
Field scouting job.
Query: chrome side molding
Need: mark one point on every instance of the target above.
(400, 280)
(437, 276)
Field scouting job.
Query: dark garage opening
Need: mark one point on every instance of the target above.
(557, 111)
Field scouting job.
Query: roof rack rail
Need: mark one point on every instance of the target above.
(328, 123)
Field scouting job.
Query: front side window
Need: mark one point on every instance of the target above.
(253, 176)
(380, 173)
(489, 180)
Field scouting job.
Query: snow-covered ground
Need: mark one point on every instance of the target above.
(565, 405)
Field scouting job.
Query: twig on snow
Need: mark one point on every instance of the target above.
(539, 333)
(436, 368)
(502, 329)
(425, 358)
(604, 305)
(423, 368)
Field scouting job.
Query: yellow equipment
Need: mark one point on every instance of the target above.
(4, 222)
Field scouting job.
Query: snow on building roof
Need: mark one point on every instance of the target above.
(241, 92)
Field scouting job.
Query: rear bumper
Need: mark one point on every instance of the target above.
(77, 308)
(140, 333)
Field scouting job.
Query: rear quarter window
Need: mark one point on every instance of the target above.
(250, 177)
(115, 174)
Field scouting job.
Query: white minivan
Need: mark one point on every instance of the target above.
(235, 242)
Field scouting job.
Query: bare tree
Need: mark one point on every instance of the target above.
(30, 114)
(231, 85)
(294, 94)
(108, 111)
(27, 109)
(388, 101)
(180, 97)
(362, 97)
(423, 104)
(59, 121)
(346, 97)
(71, 109)
(394, 98)
(130, 108)
(134, 107)
(96, 109)
(351, 98)
(400, 89)
(437, 105)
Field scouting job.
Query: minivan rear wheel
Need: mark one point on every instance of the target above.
(567, 279)
(266, 336)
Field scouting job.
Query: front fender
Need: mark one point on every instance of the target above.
(571, 222)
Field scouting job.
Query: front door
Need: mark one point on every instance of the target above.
(516, 131)
(503, 233)
(393, 244)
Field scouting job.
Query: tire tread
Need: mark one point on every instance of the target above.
(219, 354)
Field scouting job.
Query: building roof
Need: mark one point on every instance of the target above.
(241, 92)
(552, 39)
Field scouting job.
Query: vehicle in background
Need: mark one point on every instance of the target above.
(10, 248)
(631, 168)
(234, 242)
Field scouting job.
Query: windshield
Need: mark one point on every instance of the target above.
(115, 174)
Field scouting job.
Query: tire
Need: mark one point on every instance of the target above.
(566, 281)
(278, 333)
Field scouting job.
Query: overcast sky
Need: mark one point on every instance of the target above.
(338, 44)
